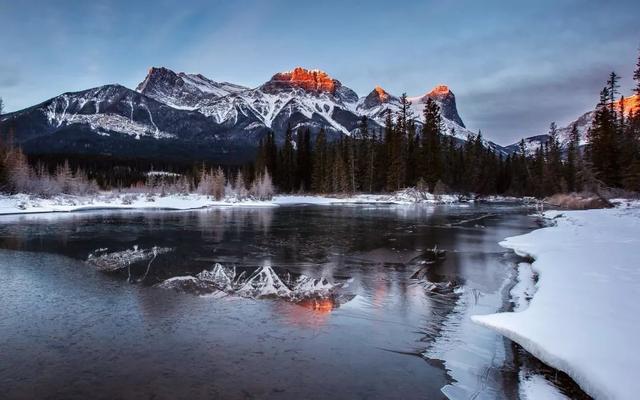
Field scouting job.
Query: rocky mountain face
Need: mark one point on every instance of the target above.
(190, 117)
(183, 91)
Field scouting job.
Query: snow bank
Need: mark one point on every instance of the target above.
(26, 204)
(584, 318)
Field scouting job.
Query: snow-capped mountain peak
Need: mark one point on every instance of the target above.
(189, 115)
(182, 90)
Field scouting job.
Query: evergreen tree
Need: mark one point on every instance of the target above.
(393, 142)
(431, 153)
(636, 77)
(320, 164)
(303, 160)
(286, 167)
(602, 150)
(573, 159)
(553, 173)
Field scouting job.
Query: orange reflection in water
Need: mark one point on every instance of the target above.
(322, 306)
(307, 313)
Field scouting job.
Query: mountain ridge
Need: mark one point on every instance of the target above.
(208, 118)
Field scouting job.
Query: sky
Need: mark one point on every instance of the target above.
(514, 66)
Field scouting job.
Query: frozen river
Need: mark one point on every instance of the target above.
(396, 325)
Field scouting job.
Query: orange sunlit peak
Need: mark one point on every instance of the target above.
(631, 103)
(440, 89)
(382, 94)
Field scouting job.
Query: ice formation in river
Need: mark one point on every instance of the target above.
(116, 260)
(263, 282)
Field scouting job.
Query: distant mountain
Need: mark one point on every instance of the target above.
(377, 103)
(189, 117)
(583, 123)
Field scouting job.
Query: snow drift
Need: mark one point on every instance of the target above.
(584, 318)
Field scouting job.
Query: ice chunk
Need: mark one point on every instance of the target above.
(116, 260)
(263, 282)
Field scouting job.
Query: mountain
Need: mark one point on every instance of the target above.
(583, 123)
(379, 102)
(299, 98)
(116, 121)
(185, 91)
(190, 117)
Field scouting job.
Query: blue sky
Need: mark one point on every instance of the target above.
(514, 66)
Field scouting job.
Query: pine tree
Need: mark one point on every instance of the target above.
(602, 150)
(573, 159)
(303, 160)
(320, 164)
(431, 169)
(393, 144)
(636, 77)
(287, 167)
(554, 162)
(612, 88)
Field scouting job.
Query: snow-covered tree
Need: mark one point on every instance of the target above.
(18, 171)
(64, 177)
(239, 187)
(218, 184)
(262, 187)
(205, 186)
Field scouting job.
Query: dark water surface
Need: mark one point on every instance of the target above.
(68, 331)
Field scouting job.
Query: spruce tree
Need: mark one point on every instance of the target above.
(602, 151)
(636, 77)
(287, 166)
(554, 161)
(573, 156)
(431, 152)
(318, 177)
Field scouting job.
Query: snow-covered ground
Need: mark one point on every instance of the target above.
(25, 204)
(584, 317)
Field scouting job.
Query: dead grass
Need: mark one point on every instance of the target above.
(578, 201)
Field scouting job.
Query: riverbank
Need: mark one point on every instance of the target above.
(583, 317)
(27, 204)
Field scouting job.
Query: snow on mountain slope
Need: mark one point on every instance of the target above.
(95, 107)
(185, 91)
(190, 115)
(378, 103)
(583, 124)
(310, 94)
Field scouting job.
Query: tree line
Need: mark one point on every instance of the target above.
(404, 154)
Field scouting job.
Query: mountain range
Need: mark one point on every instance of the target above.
(189, 116)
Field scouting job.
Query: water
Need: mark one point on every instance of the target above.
(69, 331)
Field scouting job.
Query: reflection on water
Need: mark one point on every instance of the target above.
(90, 332)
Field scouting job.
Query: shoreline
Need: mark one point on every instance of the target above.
(23, 204)
(586, 272)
